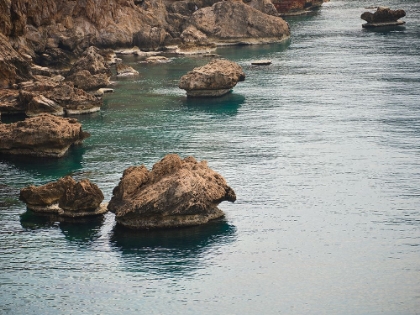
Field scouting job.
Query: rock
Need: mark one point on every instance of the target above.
(9, 102)
(39, 104)
(296, 7)
(174, 193)
(65, 197)
(157, 59)
(261, 62)
(103, 91)
(234, 22)
(64, 94)
(92, 61)
(84, 80)
(41, 136)
(383, 17)
(216, 78)
(14, 67)
(124, 70)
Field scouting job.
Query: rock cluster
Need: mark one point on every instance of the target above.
(216, 78)
(65, 197)
(382, 17)
(41, 136)
(174, 193)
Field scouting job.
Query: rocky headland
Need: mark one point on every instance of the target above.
(41, 136)
(176, 192)
(65, 197)
(214, 79)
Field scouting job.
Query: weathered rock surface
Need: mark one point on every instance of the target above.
(14, 67)
(216, 78)
(41, 136)
(174, 193)
(236, 23)
(296, 7)
(382, 17)
(73, 100)
(124, 70)
(65, 197)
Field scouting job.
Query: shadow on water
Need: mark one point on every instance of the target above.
(48, 167)
(225, 105)
(170, 252)
(80, 231)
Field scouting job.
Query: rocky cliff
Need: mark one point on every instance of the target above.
(294, 7)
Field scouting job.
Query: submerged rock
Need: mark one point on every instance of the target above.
(41, 136)
(216, 78)
(174, 193)
(383, 17)
(65, 197)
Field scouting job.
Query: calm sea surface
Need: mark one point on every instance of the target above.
(322, 148)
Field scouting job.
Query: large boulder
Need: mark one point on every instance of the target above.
(233, 22)
(382, 17)
(41, 136)
(216, 78)
(174, 193)
(65, 197)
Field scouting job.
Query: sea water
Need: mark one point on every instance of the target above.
(322, 148)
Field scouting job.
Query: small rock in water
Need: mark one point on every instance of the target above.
(261, 62)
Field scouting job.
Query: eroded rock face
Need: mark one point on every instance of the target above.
(174, 193)
(41, 136)
(383, 15)
(14, 67)
(234, 22)
(65, 197)
(296, 7)
(216, 78)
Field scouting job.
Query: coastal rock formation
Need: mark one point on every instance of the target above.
(124, 71)
(174, 193)
(234, 22)
(14, 67)
(383, 17)
(65, 197)
(41, 136)
(216, 78)
(296, 7)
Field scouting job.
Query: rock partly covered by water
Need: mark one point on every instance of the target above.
(382, 17)
(174, 193)
(216, 78)
(42, 136)
(65, 197)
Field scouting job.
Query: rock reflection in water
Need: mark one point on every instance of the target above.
(225, 105)
(80, 231)
(171, 252)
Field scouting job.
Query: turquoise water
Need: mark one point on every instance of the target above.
(321, 148)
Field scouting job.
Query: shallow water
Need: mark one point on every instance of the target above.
(321, 147)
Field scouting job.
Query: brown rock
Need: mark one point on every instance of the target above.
(46, 195)
(229, 22)
(216, 78)
(124, 70)
(9, 102)
(65, 197)
(296, 7)
(14, 67)
(174, 193)
(42, 136)
(382, 16)
(86, 81)
(92, 61)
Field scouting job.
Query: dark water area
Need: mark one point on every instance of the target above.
(321, 148)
